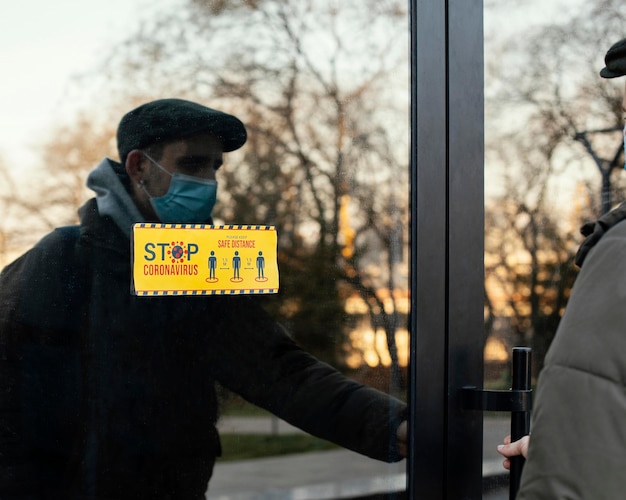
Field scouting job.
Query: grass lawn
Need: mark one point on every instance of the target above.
(247, 446)
(236, 406)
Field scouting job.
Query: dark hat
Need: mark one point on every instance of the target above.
(167, 120)
(615, 61)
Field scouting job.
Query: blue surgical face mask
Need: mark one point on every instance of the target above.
(188, 200)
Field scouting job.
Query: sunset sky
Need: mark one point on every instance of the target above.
(42, 45)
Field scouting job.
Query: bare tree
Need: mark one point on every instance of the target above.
(68, 156)
(24, 216)
(322, 87)
(553, 123)
(548, 88)
(529, 271)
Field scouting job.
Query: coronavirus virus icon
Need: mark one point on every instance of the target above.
(177, 251)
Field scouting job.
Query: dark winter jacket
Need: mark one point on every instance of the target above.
(104, 394)
(578, 443)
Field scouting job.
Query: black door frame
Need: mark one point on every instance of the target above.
(447, 247)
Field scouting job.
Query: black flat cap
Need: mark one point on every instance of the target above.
(615, 61)
(167, 120)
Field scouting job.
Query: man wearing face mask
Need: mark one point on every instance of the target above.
(578, 444)
(106, 395)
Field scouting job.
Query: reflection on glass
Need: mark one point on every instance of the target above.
(323, 91)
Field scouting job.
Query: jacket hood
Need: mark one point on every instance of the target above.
(108, 181)
(593, 231)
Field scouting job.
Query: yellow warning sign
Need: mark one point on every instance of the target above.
(197, 259)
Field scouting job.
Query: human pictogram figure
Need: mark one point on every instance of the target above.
(260, 267)
(212, 262)
(236, 266)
